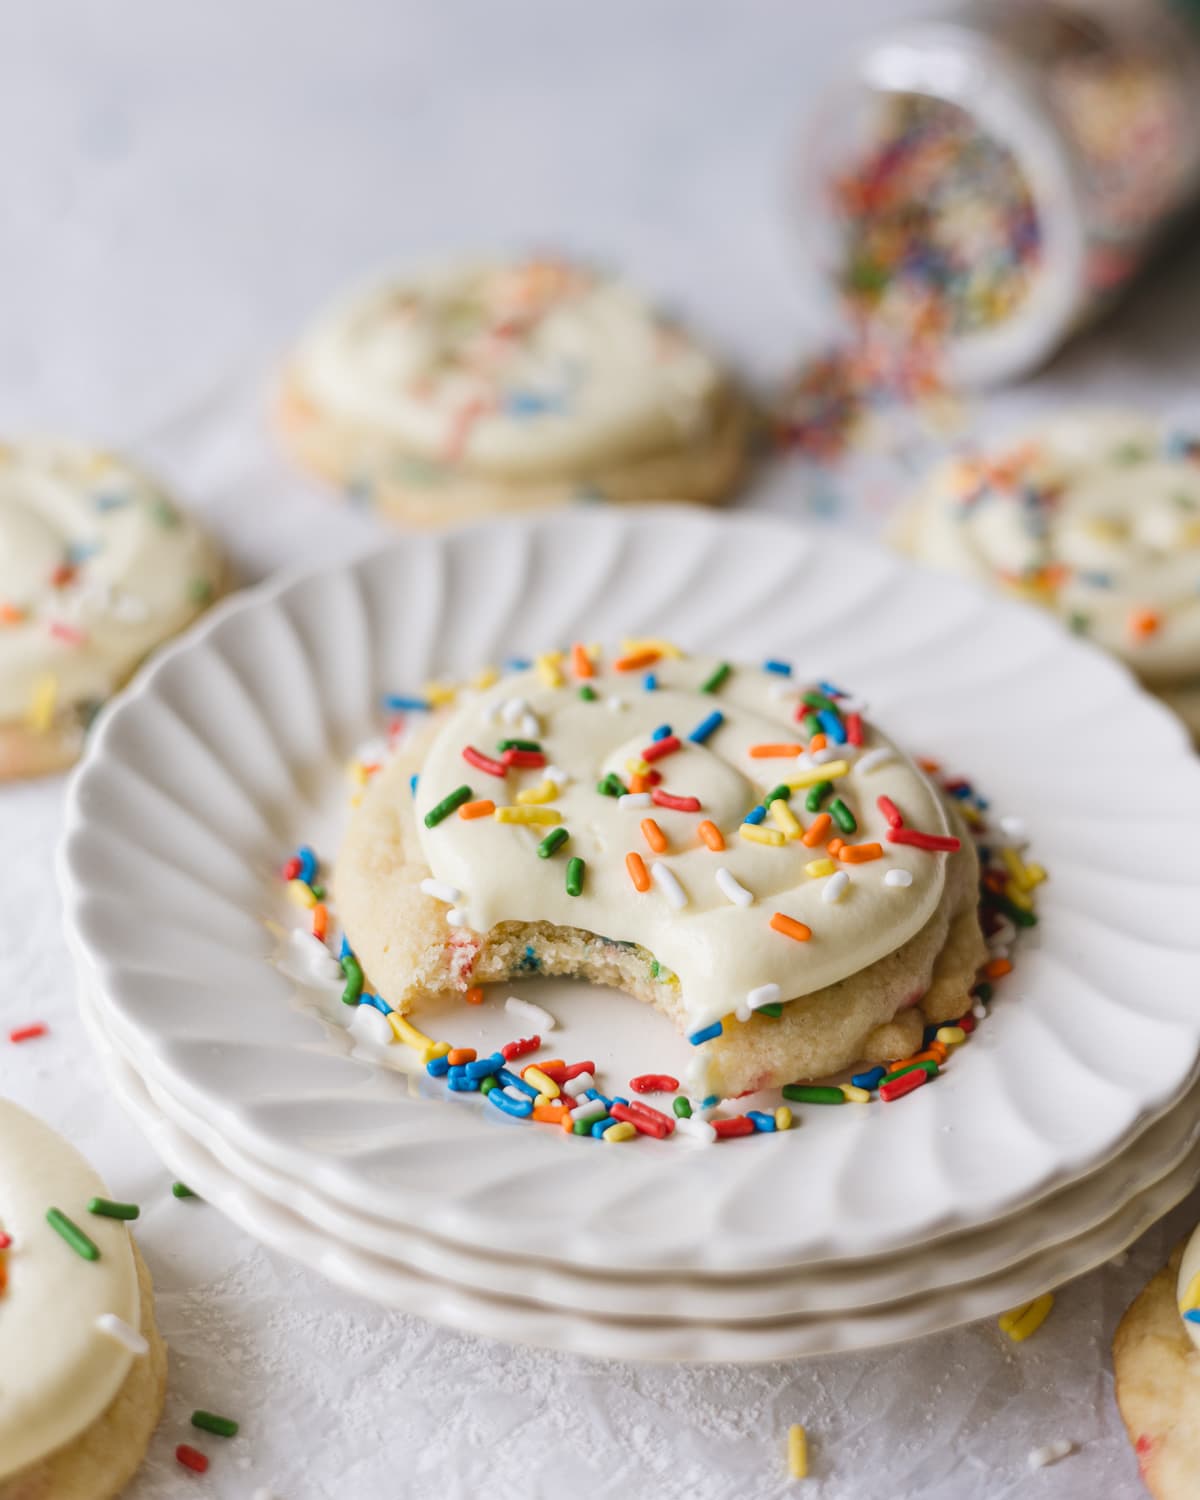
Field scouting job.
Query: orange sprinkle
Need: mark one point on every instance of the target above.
(637, 871)
(818, 742)
(820, 826)
(320, 920)
(997, 969)
(654, 835)
(566, 1121)
(931, 766)
(638, 659)
(484, 808)
(835, 846)
(790, 927)
(474, 995)
(10, 614)
(711, 835)
(457, 1056)
(859, 854)
(996, 880)
(1144, 623)
(775, 752)
(935, 1052)
(639, 782)
(549, 1114)
(581, 662)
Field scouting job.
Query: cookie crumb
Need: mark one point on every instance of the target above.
(1050, 1453)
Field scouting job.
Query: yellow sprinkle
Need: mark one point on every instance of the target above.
(783, 1118)
(757, 834)
(854, 1095)
(637, 767)
(971, 814)
(1017, 896)
(42, 702)
(816, 868)
(1034, 874)
(1192, 1296)
(358, 773)
(541, 1081)
(484, 678)
(548, 668)
(356, 799)
(664, 648)
(951, 1036)
(797, 1452)
(439, 1049)
(407, 1033)
(439, 693)
(527, 815)
(828, 772)
(1015, 866)
(301, 894)
(621, 1131)
(1023, 1321)
(785, 819)
(545, 791)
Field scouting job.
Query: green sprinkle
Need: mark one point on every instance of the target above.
(819, 700)
(575, 876)
(717, 678)
(817, 795)
(682, 1108)
(164, 513)
(107, 1209)
(318, 891)
(447, 805)
(200, 591)
(774, 1010)
(72, 1233)
(929, 1068)
(1011, 910)
(553, 841)
(842, 816)
(983, 992)
(588, 694)
(518, 745)
(1079, 622)
(207, 1422)
(181, 1190)
(812, 725)
(810, 1093)
(778, 793)
(611, 786)
(488, 1084)
(582, 1127)
(352, 969)
(655, 968)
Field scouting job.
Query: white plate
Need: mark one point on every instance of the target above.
(227, 751)
(523, 1319)
(825, 1288)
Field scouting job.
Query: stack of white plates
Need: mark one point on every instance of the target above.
(1066, 1126)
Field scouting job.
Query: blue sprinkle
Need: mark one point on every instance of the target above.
(650, 682)
(463, 1085)
(601, 1125)
(830, 691)
(930, 1034)
(780, 668)
(530, 403)
(870, 1079)
(755, 815)
(707, 727)
(377, 1001)
(345, 948)
(484, 1067)
(1192, 1315)
(706, 1034)
(79, 552)
(412, 784)
(709, 1102)
(595, 1094)
(437, 1067)
(508, 1077)
(308, 864)
(517, 664)
(458, 1070)
(762, 1120)
(399, 703)
(109, 501)
(592, 1094)
(616, 1099)
(522, 1108)
(961, 793)
(1096, 580)
(661, 732)
(832, 724)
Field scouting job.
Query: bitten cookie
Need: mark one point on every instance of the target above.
(1093, 514)
(1156, 1357)
(97, 567)
(84, 1373)
(500, 387)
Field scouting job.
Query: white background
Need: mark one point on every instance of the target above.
(180, 184)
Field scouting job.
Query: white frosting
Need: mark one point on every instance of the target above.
(96, 568)
(1188, 1295)
(522, 370)
(1096, 514)
(58, 1370)
(719, 949)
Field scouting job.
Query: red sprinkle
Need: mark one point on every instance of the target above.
(27, 1033)
(520, 1048)
(679, 804)
(561, 1072)
(931, 841)
(5, 1240)
(654, 1083)
(903, 1085)
(890, 811)
(854, 729)
(738, 1125)
(291, 869)
(62, 575)
(523, 758)
(484, 762)
(69, 633)
(967, 1022)
(645, 1120)
(191, 1458)
(666, 746)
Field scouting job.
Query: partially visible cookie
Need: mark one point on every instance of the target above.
(97, 567)
(509, 386)
(84, 1369)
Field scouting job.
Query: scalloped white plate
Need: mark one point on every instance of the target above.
(228, 749)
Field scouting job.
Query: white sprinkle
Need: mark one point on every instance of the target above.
(782, 692)
(614, 703)
(514, 1092)
(898, 877)
(765, 994)
(369, 1026)
(873, 759)
(665, 880)
(593, 1109)
(309, 960)
(979, 1010)
(732, 889)
(372, 752)
(1004, 934)
(999, 950)
(525, 1010)
(635, 799)
(457, 917)
(512, 709)
(1041, 1458)
(530, 726)
(1013, 828)
(692, 1128)
(579, 1085)
(832, 889)
(558, 776)
(827, 753)
(118, 1329)
(442, 890)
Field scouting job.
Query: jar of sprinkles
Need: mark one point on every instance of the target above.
(978, 187)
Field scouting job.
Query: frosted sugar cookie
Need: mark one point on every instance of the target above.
(97, 567)
(84, 1370)
(1093, 514)
(509, 386)
(1156, 1356)
(744, 850)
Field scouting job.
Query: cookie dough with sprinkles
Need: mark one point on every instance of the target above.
(84, 1373)
(507, 386)
(97, 567)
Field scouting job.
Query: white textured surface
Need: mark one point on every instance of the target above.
(181, 185)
